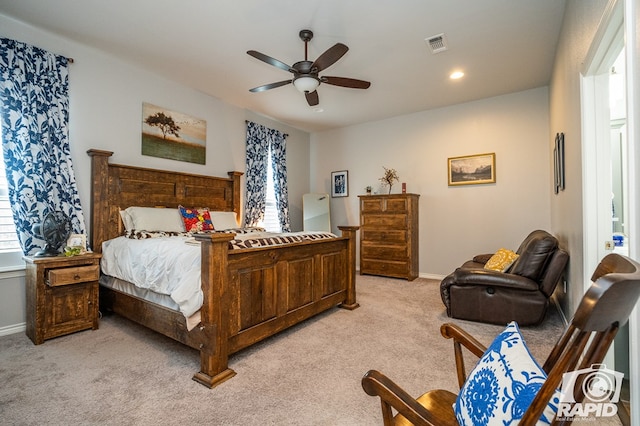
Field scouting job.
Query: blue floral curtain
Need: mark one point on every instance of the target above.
(257, 158)
(277, 143)
(34, 111)
(261, 139)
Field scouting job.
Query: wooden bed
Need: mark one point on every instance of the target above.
(249, 294)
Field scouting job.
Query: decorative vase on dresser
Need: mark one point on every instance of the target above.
(389, 235)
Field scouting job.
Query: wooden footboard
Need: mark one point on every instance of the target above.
(266, 291)
(249, 294)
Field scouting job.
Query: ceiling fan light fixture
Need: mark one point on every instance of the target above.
(306, 83)
(305, 73)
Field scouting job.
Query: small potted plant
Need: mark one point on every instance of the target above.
(390, 176)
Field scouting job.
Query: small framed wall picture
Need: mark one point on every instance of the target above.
(340, 184)
(558, 163)
(472, 169)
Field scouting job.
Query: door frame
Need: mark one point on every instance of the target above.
(596, 175)
(618, 25)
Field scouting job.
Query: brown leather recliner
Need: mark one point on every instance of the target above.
(519, 294)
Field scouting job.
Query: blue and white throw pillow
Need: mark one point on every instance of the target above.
(503, 384)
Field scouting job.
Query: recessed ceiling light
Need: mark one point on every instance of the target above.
(456, 75)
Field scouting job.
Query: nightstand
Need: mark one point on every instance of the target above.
(62, 295)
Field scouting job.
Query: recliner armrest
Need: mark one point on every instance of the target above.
(488, 278)
(482, 258)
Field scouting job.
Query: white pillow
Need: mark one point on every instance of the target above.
(503, 384)
(155, 219)
(223, 220)
(126, 220)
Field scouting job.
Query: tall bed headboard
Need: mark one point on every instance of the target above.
(115, 187)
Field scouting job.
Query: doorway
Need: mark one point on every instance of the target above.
(605, 170)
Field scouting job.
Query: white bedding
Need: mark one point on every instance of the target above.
(168, 265)
(164, 265)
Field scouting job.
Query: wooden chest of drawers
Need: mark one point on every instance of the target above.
(62, 295)
(389, 235)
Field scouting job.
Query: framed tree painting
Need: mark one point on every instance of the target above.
(340, 184)
(173, 135)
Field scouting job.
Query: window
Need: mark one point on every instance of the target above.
(8, 237)
(10, 251)
(271, 221)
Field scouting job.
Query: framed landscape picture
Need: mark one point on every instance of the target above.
(472, 169)
(340, 184)
(173, 135)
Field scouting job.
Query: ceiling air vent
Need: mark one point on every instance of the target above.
(437, 43)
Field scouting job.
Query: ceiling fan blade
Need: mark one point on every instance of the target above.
(270, 86)
(312, 98)
(346, 82)
(329, 57)
(269, 60)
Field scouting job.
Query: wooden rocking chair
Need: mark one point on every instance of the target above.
(604, 308)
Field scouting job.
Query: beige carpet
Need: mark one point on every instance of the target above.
(310, 375)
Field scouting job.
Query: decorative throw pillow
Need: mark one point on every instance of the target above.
(196, 220)
(503, 384)
(501, 260)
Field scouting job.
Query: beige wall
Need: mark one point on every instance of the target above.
(581, 21)
(12, 302)
(455, 222)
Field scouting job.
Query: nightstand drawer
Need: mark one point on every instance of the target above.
(73, 275)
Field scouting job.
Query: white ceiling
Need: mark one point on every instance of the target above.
(503, 46)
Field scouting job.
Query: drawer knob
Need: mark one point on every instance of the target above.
(76, 277)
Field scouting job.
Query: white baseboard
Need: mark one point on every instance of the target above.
(421, 275)
(555, 302)
(431, 276)
(13, 329)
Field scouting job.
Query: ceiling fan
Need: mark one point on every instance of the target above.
(305, 73)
